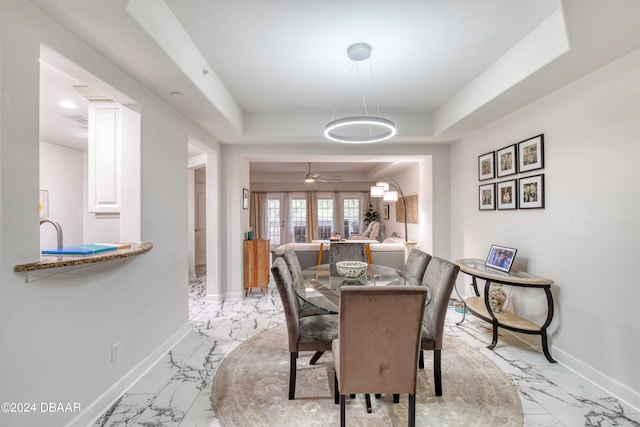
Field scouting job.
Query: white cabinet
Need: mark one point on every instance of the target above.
(109, 124)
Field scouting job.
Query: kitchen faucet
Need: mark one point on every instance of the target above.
(57, 227)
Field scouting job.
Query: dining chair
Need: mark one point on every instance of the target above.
(349, 251)
(378, 342)
(295, 269)
(416, 263)
(310, 333)
(440, 277)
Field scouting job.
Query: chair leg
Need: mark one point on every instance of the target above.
(367, 398)
(421, 360)
(292, 375)
(412, 410)
(336, 393)
(316, 357)
(396, 398)
(437, 373)
(343, 399)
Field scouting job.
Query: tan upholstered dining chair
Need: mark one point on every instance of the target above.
(416, 263)
(311, 333)
(378, 342)
(440, 277)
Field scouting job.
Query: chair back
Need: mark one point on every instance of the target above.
(289, 299)
(416, 263)
(379, 338)
(343, 251)
(291, 258)
(440, 277)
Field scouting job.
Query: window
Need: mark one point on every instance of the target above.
(351, 216)
(299, 220)
(325, 218)
(274, 221)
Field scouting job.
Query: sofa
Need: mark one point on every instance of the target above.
(390, 253)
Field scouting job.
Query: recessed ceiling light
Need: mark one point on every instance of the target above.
(67, 104)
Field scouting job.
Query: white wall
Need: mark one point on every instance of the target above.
(57, 348)
(61, 175)
(586, 237)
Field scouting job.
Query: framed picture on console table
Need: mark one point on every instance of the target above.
(486, 168)
(531, 192)
(531, 154)
(487, 197)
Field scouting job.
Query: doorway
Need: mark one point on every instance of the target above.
(200, 222)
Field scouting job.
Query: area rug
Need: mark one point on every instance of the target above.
(250, 388)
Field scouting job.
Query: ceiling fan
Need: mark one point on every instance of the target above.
(315, 177)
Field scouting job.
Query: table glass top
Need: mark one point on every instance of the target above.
(320, 285)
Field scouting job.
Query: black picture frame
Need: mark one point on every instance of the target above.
(531, 154)
(506, 161)
(507, 194)
(487, 197)
(486, 166)
(385, 211)
(245, 198)
(531, 192)
(501, 258)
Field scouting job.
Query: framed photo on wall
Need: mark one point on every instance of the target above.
(531, 154)
(486, 169)
(531, 192)
(245, 198)
(506, 195)
(506, 162)
(487, 197)
(385, 212)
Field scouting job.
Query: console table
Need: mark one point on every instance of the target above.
(479, 305)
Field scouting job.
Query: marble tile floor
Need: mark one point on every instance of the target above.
(175, 392)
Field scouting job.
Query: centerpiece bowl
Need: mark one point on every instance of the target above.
(351, 269)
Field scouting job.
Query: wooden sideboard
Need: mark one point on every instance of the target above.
(256, 265)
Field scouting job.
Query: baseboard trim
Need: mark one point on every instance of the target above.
(95, 409)
(619, 390)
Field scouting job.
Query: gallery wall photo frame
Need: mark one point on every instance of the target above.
(506, 161)
(531, 154)
(487, 197)
(486, 166)
(245, 198)
(531, 192)
(507, 194)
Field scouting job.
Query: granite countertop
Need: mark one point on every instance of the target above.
(58, 261)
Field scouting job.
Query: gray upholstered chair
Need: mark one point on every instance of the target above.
(293, 263)
(440, 277)
(349, 251)
(378, 342)
(416, 263)
(311, 333)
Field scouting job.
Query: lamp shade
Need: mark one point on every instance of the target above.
(390, 196)
(376, 191)
(383, 184)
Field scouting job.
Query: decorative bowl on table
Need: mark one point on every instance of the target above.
(352, 270)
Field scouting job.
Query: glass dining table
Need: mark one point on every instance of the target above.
(320, 285)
